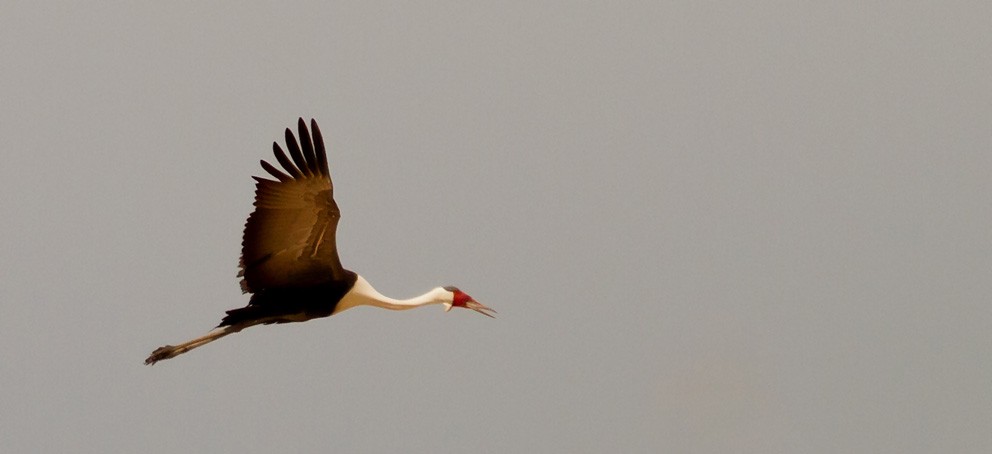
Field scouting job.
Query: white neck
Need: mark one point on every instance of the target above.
(362, 294)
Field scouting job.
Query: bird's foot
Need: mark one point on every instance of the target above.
(163, 352)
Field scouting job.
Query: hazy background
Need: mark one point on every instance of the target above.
(706, 226)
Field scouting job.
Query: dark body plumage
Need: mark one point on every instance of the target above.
(292, 304)
(289, 258)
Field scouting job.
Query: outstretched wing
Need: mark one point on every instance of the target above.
(289, 239)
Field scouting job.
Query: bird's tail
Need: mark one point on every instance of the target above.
(171, 351)
(251, 314)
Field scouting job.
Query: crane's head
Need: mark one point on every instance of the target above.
(461, 299)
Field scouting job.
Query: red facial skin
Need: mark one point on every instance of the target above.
(460, 298)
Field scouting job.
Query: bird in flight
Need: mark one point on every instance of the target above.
(289, 256)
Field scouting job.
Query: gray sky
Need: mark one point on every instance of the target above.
(706, 226)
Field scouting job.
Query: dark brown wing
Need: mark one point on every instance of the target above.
(289, 238)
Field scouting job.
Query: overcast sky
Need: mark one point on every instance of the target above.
(707, 226)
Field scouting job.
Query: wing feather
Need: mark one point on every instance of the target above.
(307, 147)
(285, 162)
(294, 151)
(289, 239)
(318, 140)
(274, 172)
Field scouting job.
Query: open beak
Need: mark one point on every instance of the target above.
(478, 307)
